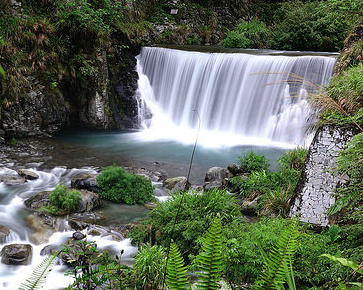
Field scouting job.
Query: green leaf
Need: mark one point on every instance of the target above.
(344, 262)
(279, 263)
(176, 276)
(210, 259)
(39, 274)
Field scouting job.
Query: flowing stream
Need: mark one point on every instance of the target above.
(241, 101)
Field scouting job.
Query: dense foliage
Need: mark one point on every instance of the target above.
(248, 34)
(117, 185)
(300, 25)
(274, 189)
(63, 200)
(196, 215)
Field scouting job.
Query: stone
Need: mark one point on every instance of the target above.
(12, 180)
(216, 174)
(235, 169)
(16, 254)
(4, 233)
(2, 140)
(49, 250)
(78, 236)
(86, 181)
(176, 183)
(28, 174)
(89, 201)
(37, 201)
(316, 183)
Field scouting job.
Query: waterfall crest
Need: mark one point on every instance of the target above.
(250, 96)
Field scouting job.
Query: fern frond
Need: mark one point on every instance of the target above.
(176, 276)
(210, 259)
(39, 274)
(279, 262)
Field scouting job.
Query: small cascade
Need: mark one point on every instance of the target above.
(256, 97)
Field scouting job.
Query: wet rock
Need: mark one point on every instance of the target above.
(16, 254)
(44, 226)
(2, 140)
(215, 177)
(78, 236)
(89, 202)
(28, 174)
(49, 250)
(213, 184)
(176, 183)
(79, 221)
(37, 201)
(86, 181)
(216, 174)
(12, 180)
(4, 233)
(235, 169)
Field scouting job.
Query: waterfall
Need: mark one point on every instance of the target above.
(252, 97)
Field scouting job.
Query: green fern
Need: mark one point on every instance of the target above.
(39, 274)
(210, 259)
(279, 263)
(176, 277)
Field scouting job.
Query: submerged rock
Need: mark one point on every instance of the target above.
(16, 254)
(4, 233)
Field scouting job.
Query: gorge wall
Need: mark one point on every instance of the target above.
(313, 195)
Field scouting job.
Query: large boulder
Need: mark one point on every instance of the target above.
(215, 177)
(37, 201)
(16, 254)
(176, 183)
(28, 174)
(235, 169)
(4, 233)
(86, 181)
(89, 201)
(12, 180)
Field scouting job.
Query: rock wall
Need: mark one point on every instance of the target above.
(313, 193)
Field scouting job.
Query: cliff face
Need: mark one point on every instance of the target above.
(66, 75)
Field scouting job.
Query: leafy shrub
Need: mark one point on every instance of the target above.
(64, 199)
(149, 267)
(243, 261)
(315, 25)
(293, 159)
(117, 185)
(196, 215)
(248, 34)
(95, 269)
(253, 162)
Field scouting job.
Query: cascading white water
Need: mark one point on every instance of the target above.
(240, 97)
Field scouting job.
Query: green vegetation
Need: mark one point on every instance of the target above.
(149, 267)
(62, 200)
(196, 216)
(253, 34)
(117, 185)
(250, 162)
(274, 189)
(299, 25)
